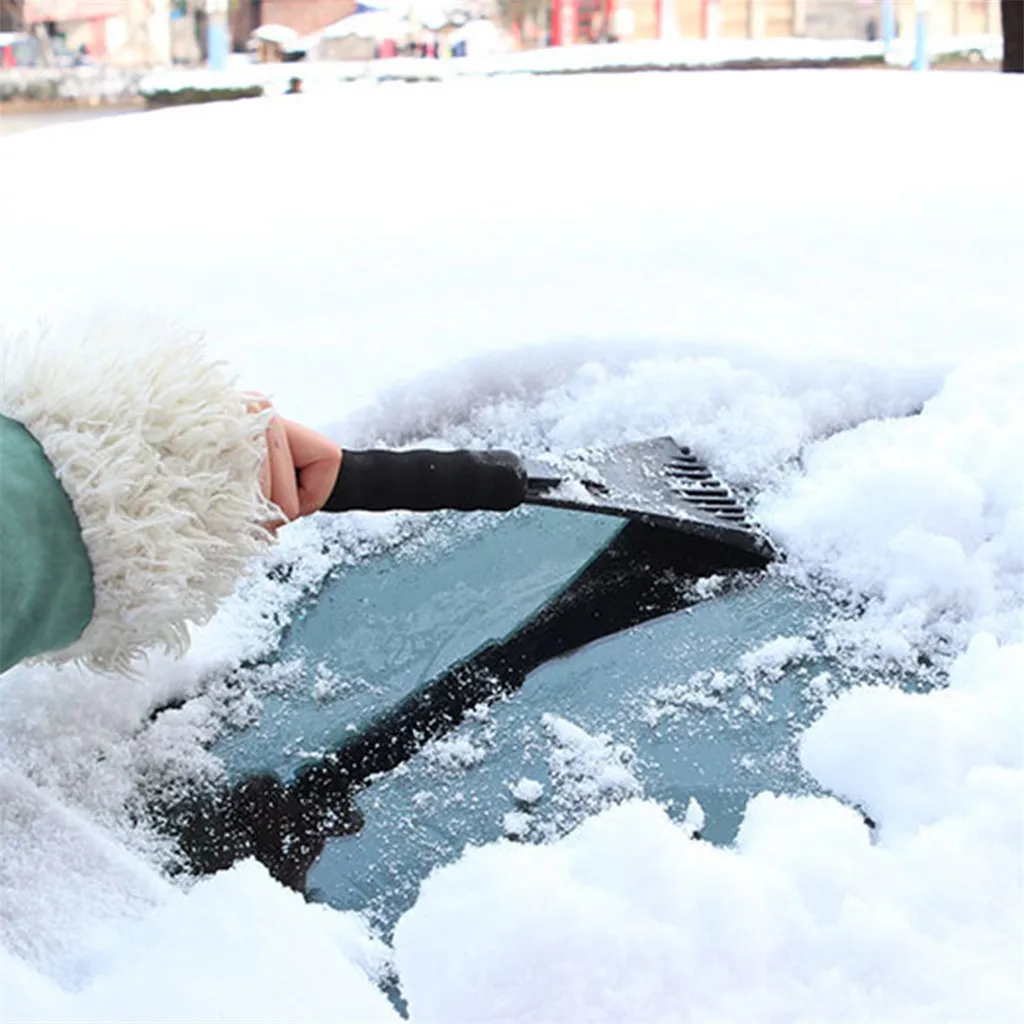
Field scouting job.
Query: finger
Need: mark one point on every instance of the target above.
(255, 403)
(317, 461)
(266, 480)
(283, 487)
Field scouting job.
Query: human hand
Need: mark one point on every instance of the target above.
(300, 469)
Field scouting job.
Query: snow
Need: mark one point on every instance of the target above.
(490, 54)
(694, 819)
(768, 661)
(271, 33)
(924, 513)
(821, 299)
(527, 791)
(454, 752)
(588, 769)
(368, 25)
(807, 918)
(516, 824)
(279, 958)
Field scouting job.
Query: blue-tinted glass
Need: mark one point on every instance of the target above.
(386, 627)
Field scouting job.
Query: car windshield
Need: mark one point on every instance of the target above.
(701, 704)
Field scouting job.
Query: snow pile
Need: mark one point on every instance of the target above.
(91, 83)
(587, 772)
(279, 958)
(527, 791)
(454, 752)
(808, 918)
(271, 33)
(836, 332)
(924, 514)
(527, 794)
(944, 763)
(588, 769)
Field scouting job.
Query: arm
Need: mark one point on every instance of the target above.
(46, 598)
(135, 485)
(308, 473)
(153, 457)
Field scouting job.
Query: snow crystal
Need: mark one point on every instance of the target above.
(769, 660)
(454, 752)
(516, 824)
(703, 691)
(328, 685)
(588, 769)
(527, 791)
(819, 687)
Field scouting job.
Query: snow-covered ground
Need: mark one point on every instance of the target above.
(648, 54)
(811, 277)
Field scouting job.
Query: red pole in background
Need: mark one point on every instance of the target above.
(564, 22)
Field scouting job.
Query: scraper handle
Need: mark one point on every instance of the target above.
(426, 481)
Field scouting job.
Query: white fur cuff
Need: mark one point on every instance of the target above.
(160, 456)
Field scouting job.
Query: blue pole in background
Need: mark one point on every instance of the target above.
(921, 62)
(888, 25)
(216, 35)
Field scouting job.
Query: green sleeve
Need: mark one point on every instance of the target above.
(46, 595)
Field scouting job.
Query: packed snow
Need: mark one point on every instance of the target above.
(528, 791)
(812, 278)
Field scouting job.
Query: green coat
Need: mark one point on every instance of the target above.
(46, 597)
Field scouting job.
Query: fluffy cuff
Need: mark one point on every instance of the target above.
(160, 457)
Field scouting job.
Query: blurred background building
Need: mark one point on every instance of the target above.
(563, 22)
(156, 32)
(589, 20)
(131, 32)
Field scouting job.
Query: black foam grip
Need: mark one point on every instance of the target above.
(425, 481)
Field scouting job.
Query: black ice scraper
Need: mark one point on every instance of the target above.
(656, 482)
(682, 525)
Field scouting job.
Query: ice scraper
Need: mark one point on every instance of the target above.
(656, 482)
